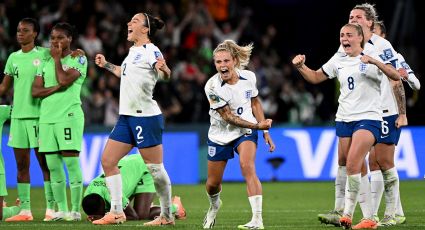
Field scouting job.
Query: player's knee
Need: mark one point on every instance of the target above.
(247, 169)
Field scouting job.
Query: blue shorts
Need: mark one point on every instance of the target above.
(346, 129)
(218, 152)
(390, 134)
(141, 132)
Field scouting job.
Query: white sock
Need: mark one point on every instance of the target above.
(351, 193)
(163, 188)
(399, 210)
(340, 182)
(256, 207)
(365, 200)
(391, 183)
(377, 189)
(114, 184)
(214, 200)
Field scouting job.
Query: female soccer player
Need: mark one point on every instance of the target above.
(393, 111)
(20, 70)
(140, 123)
(358, 117)
(379, 165)
(58, 82)
(236, 114)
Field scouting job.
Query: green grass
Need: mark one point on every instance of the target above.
(286, 205)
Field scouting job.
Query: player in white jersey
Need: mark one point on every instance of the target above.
(358, 117)
(390, 135)
(365, 15)
(236, 115)
(140, 123)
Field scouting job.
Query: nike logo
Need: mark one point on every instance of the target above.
(384, 136)
(138, 142)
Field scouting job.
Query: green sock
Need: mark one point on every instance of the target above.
(24, 195)
(48, 194)
(10, 211)
(57, 180)
(75, 181)
(173, 208)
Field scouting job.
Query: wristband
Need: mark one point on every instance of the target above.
(265, 131)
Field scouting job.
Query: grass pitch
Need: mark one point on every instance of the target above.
(286, 205)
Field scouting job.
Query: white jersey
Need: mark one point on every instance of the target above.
(138, 79)
(359, 87)
(412, 80)
(238, 97)
(386, 53)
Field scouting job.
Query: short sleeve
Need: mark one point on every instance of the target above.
(153, 54)
(9, 70)
(330, 68)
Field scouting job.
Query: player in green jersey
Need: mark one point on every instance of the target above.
(5, 212)
(137, 185)
(58, 82)
(21, 67)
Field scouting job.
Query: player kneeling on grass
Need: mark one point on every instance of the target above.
(137, 185)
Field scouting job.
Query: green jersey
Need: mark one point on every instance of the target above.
(22, 67)
(65, 104)
(4, 115)
(133, 171)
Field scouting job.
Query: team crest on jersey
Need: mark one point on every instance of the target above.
(211, 151)
(137, 58)
(214, 98)
(82, 60)
(65, 67)
(248, 94)
(362, 67)
(157, 54)
(405, 65)
(36, 62)
(387, 55)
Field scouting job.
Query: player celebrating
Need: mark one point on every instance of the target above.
(358, 116)
(21, 67)
(140, 123)
(59, 82)
(236, 114)
(137, 185)
(384, 163)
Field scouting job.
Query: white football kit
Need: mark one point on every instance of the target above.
(238, 97)
(138, 79)
(359, 87)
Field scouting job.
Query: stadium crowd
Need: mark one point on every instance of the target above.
(192, 29)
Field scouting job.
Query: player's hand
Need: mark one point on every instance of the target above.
(269, 141)
(56, 51)
(298, 61)
(161, 65)
(100, 60)
(367, 59)
(403, 74)
(401, 120)
(265, 124)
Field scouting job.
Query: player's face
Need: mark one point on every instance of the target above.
(377, 30)
(225, 65)
(137, 28)
(350, 41)
(358, 17)
(60, 36)
(25, 33)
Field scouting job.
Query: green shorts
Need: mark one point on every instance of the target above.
(145, 185)
(61, 136)
(23, 133)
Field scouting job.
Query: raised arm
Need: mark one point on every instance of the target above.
(387, 69)
(162, 69)
(101, 62)
(308, 74)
